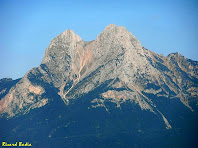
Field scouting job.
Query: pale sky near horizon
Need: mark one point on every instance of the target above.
(28, 26)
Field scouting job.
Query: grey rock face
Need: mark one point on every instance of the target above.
(75, 67)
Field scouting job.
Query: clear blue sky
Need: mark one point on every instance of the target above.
(28, 26)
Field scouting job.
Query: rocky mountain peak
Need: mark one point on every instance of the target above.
(176, 54)
(70, 35)
(108, 84)
(117, 34)
(114, 41)
(113, 28)
(75, 67)
(61, 50)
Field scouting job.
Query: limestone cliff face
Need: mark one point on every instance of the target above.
(132, 73)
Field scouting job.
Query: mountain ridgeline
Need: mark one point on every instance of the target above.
(107, 92)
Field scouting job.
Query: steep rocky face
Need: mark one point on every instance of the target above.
(112, 71)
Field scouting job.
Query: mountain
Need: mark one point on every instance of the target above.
(107, 92)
